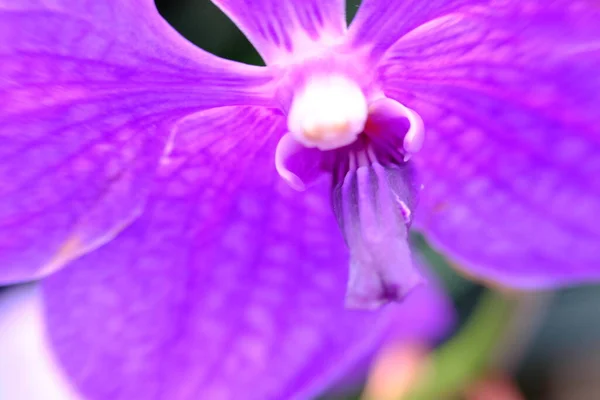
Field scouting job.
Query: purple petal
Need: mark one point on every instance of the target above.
(389, 123)
(380, 23)
(426, 315)
(230, 285)
(510, 99)
(90, 94)
(277, 28)
(300, 166)
(30, 370)
(374, 205)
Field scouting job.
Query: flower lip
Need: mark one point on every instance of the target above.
(330, 111)
(373, 204)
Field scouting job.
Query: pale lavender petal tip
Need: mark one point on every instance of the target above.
(28, 369)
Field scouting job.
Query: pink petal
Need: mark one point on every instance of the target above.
(510, 99)
(90, 93)
(279, 28)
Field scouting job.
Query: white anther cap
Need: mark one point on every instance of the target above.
(329, 112)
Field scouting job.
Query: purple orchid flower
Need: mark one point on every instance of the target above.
(167, 179)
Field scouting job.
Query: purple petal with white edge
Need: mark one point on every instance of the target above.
(281, 30)
(90, 94)
(229, 286)
(394, 128)
(380, 23)
(510, 99)
(300, 166)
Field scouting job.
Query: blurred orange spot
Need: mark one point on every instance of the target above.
(396, 370)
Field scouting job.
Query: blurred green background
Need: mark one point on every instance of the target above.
(550, 344)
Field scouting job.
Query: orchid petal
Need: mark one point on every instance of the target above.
(388, 121)
(510, 98)
(30, 370)
(87, 111)
(231, 284)
(300, 166)
(380, 23)
(281, 30)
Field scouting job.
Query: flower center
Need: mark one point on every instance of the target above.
(328, 112)
(365, 147)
